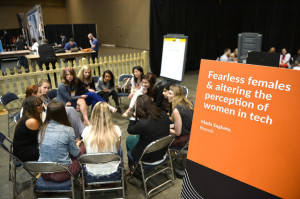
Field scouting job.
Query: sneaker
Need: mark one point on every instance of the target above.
(179, 173)
(112, 109)
(119, 110)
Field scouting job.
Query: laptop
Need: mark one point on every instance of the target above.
(74, 49)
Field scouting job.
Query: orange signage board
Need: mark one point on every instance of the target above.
(246, 125)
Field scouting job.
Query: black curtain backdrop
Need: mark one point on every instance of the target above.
(15, 32)
(213, 25)
(52, 32)
(77, 31)
(81, 32)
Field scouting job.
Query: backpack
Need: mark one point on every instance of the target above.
(125, 85)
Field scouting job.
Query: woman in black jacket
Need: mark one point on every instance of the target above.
(150, 124)
(86, 86)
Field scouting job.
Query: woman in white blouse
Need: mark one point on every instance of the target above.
(35, 45)
(102, 136)
(284, 61)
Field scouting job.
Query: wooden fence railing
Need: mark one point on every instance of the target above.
(120, 64)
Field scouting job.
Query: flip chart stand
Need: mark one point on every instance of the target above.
(174, 57)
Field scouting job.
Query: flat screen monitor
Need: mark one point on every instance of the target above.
(263, 58)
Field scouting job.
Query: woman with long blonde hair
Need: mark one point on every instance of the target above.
(182, 115)
(102, 136)
(86, 86)
(86, 77)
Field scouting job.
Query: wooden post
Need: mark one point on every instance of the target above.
(145, 61)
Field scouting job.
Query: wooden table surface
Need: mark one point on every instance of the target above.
(18, 53)
(62, 55)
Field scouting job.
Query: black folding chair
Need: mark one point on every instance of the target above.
(150, 171)
(95, 79)
(52, 94)
(178, 151)
(117, 178)
(41, 185)
(11, 112)
(186, 90)
(13, 163)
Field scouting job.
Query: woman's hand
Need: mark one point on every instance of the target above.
(173, 132)
(172, 126)
(83, 96)
(78, 142)
(68, 104)
(130, 95)
(177, 123)
(91, 90)
(106, 90)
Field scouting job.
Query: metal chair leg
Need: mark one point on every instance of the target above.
(32, 187)
(83, 183)
(144, 181)
(72, 181)
(123, 184)
(8, 129)
(14, 179)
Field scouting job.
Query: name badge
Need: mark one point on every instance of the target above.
(72, 93)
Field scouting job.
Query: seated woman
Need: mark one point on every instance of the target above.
(136, 81)
(73, 117)
(66, 93)
(234, 56)
(105, 87)
(182, 116)
(102, 136)
(150, 124)
(284, 61)
(45, 87)
(86, 86)
(166, 105)
(25, 142)
(148, 88)
(34, 90)
(57, 142)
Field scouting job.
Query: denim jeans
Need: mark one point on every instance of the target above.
(23, 62)
(102, 178)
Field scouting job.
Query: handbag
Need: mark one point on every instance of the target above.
(124, 86)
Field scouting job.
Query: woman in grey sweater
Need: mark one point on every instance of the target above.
(105, 87)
